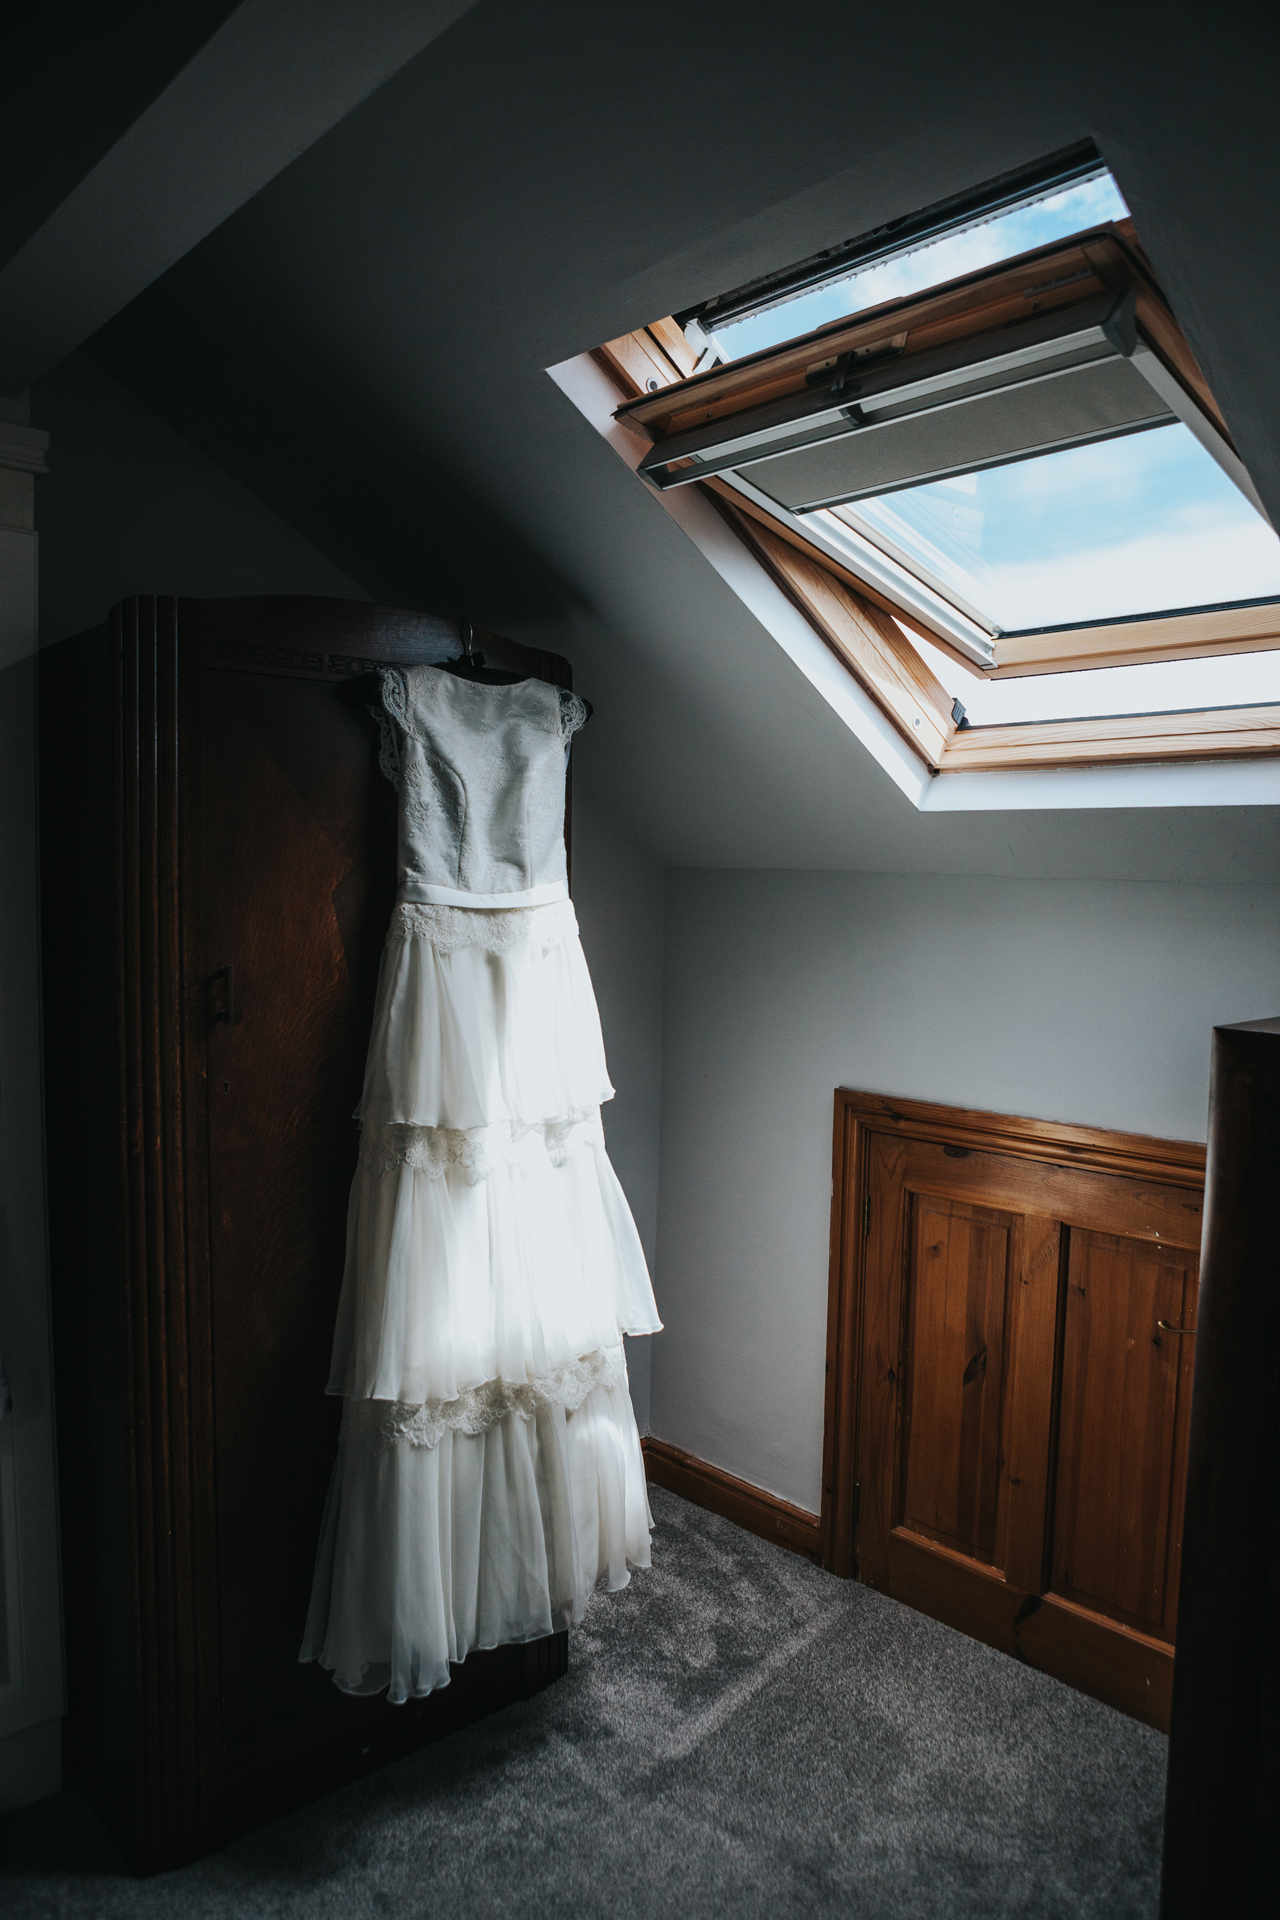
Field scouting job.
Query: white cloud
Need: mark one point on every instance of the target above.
(1148, 575)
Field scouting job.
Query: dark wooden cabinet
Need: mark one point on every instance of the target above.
(218, 861)
(1222, 1813)
(1012, 1334)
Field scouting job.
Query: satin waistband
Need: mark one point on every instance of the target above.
(415, 891)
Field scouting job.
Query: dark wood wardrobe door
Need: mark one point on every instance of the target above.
(299, 881)
(293, 870)
(294, 846)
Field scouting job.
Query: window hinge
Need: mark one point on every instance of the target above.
(866, 1215)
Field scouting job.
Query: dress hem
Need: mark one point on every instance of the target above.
(561, 1622)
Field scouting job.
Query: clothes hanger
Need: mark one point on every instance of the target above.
(470, 665)
(363, 689)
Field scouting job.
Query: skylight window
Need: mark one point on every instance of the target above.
(983, 243)
(1144, 524)
(977, 452)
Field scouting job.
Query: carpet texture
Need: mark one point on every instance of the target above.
(739, 1734)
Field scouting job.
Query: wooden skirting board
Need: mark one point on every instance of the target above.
(737, 1500)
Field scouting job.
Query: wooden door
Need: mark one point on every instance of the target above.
(299, 880)
(293, 840)
(1011, 1387)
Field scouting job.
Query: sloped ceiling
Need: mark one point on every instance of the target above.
(77, 78)
(364, 345)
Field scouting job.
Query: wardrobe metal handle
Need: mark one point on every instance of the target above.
(227, 1011)
(1189, 1331)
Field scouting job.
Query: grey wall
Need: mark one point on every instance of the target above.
(1088, 1001)
(618, 895)
(129, 506)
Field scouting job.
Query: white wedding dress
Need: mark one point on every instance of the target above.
(489, 1473)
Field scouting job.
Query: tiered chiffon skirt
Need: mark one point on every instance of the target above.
(489, 1473)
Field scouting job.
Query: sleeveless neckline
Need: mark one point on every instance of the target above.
(480, 771)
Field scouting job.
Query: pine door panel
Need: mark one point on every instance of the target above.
(950, 1456)
(1125, 1390)
(1028, 1413)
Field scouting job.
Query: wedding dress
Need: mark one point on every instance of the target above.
(489, 1474)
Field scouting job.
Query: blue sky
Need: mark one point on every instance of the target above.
(1069, 211)
(1142, 524)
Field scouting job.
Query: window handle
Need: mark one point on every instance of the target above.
(1189, 1331)
(227, 1011)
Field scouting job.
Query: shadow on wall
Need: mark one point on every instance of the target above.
(618, 896)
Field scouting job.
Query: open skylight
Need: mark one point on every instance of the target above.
(989, 239)
(1144, 524)
(978, 435)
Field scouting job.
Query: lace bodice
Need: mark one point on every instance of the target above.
(480, 771)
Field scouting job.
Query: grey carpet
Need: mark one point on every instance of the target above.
(739, 1735)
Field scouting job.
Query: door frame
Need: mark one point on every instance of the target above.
(1179, 1163)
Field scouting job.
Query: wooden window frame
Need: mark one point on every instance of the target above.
(652, 358)
(874, 649)
(860, 619)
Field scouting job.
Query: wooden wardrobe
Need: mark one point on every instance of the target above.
(218, 872)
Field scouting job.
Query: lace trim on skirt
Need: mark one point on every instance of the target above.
(494, 929)
(386, 1146)
(375, 1426)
